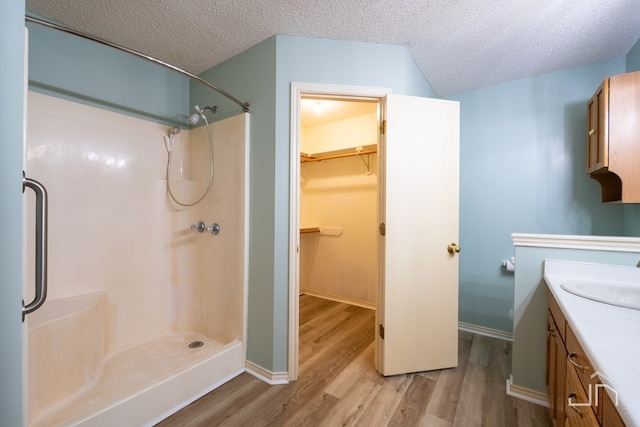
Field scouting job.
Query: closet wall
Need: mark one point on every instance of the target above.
(338, 260)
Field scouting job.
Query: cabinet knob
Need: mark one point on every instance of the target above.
(591, 132)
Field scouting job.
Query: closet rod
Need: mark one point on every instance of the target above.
(305, 158)
(244, 105)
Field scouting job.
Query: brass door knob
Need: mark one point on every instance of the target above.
(453, 248)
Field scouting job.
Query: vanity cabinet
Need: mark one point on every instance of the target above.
(556, 363)
(570, 377)
(613, 138)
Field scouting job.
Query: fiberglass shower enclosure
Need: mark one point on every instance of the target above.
(143, 314)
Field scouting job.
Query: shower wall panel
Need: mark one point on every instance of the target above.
(212, 263)
(113, 229)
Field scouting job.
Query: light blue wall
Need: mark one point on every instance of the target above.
(11, 104)
(251, 77)
(632, 220)
(522, 163)
(633, 58)
(81, 70)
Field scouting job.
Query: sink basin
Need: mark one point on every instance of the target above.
(620, 294)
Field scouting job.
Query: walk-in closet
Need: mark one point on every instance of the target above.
(338, 200)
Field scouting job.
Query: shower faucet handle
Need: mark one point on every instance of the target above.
(213, 229)
(199, 227)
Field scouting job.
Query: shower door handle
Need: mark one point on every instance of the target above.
(41, 244)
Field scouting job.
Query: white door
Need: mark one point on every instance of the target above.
(417, 316)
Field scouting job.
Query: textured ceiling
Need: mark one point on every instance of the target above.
(459, 45)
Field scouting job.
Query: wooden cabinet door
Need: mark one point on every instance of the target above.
(598, 129)
(551, 362)
(560, 398)
(556, 362)
(581, 413)
(610, 415)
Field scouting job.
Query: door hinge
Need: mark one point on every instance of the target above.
(382, 228)
(381, 331)
(383, 127)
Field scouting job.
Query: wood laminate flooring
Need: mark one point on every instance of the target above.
(339, 386)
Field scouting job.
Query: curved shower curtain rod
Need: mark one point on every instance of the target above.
(244, 105)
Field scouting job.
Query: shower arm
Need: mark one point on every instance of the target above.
(213, 109)
(244, 105)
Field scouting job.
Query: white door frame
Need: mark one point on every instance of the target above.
(297, 91)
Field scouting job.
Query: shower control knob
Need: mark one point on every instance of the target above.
(213, 229)
(199, 227)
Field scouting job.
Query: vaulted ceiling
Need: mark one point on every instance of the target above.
(459, 45)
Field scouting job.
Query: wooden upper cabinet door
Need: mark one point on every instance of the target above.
(598, 129)
(623, 130)
(592, 132)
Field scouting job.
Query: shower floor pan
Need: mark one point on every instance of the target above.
(142, 385)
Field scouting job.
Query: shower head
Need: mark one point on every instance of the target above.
(195, 117)
(170, 139)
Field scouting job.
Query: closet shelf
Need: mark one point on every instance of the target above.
(309, 230)
(323, 231)
(307, 158)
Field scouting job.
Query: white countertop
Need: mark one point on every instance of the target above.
(610, 335)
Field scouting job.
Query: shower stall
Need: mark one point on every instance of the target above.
(144, 314)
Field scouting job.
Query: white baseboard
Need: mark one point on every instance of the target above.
(526, 394)
(272, 378)
(488, 332)
(339, 299)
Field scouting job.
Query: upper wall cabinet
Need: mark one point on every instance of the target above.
(613, 151)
